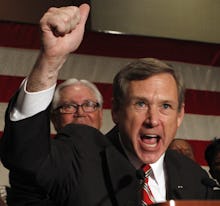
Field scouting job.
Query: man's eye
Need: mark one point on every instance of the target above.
(166, 106)
(140, 104)
(68, 106)
(89, 104)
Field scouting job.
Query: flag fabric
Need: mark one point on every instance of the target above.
(102, 55)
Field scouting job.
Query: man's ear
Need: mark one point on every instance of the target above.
(54, 120)
(181, 115)
(101, 116)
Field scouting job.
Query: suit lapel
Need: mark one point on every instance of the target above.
(175, 184)
(123, 180)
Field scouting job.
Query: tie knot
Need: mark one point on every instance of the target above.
(147, 170)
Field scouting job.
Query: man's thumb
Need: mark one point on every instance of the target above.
(84, 12)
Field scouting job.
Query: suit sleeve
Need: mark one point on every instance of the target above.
(25, 143)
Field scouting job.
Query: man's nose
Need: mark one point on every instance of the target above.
(152, 117)
(79, 110)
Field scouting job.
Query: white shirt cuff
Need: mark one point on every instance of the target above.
(31, 103)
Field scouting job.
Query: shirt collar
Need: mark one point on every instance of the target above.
(158, 169)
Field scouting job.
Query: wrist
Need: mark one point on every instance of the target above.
(45, 72)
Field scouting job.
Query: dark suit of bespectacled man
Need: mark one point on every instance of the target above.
(81, 166)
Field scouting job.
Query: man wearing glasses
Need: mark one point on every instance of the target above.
(78, 102)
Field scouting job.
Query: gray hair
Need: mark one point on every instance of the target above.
(74, 81)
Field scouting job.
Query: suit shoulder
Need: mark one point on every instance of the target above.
(180, 162)
(82, 135)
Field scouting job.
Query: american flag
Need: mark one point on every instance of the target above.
(102, 55)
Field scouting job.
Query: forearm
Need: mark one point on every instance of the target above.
(45, 72)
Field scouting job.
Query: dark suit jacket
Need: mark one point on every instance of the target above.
(216, 194)
(184, 177)
(80, 166)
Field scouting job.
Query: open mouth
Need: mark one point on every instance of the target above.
(150, 139)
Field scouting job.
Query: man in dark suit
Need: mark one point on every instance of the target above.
(80, 166)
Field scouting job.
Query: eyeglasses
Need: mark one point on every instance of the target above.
(88, 106)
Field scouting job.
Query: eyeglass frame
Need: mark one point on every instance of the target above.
(76, 106)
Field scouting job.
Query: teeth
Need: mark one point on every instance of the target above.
(148, 136)
(152, 135)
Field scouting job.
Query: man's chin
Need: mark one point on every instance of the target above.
(149, 158)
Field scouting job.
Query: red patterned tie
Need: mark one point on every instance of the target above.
(147, 196)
